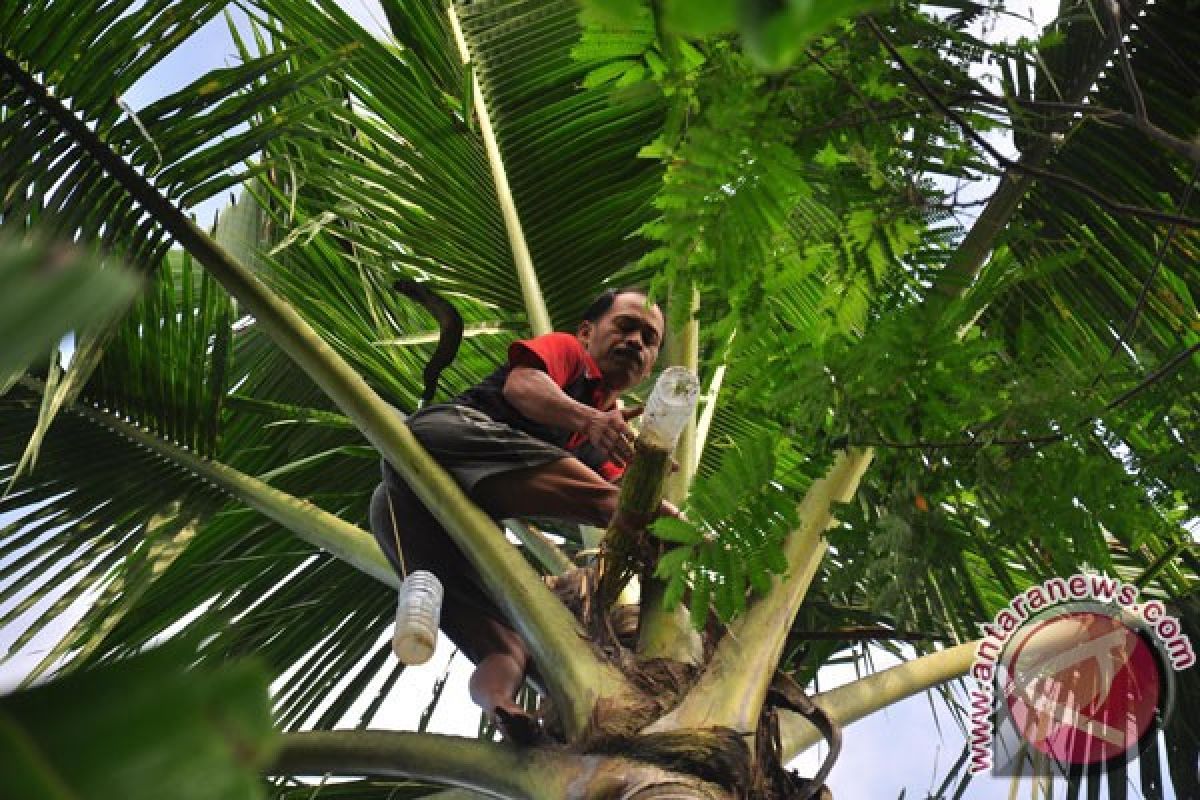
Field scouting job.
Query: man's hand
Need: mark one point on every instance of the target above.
(609, 433)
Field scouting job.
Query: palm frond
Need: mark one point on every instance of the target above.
(558, 142)
(68, 137)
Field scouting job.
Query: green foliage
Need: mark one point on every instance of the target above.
(146, 728)
(773, 33)
(845, 343)
(774, 36)
(756, 213)
(71, 143)
(731, 541)
(1043, 422)
(169, 361)
(731, 191)
(702, 18)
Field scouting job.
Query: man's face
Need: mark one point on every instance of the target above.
(625, 341)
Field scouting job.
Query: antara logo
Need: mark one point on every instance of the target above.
(1077, 669)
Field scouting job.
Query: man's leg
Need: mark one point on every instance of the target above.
(413, 539)
(566, 488)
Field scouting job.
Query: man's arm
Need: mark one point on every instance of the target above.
(535, 394)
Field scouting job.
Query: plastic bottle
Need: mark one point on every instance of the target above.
(418, 612)
(669, 407)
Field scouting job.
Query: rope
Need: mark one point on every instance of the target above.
(396, 536)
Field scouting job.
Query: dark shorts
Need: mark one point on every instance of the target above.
(472, 446)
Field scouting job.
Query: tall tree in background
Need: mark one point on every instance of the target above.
(992, 406)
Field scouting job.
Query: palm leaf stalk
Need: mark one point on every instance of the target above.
(410, 183)
(663, 632)
(311, 523)
(544, 552)
(535, 303)
(860, 698)
(106, 546)
(704, 423)
(733, 687)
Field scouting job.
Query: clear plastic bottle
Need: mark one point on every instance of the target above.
(418, 612)
(669, 407)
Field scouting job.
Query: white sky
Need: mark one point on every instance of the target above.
(906, 748)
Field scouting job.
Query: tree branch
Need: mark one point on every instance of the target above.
(1168, 141)
(852, 702)
(1021, 167)
(960, 444)
(311, 523)
(496, 770)
(1172, 364)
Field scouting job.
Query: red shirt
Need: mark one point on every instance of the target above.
(562, 357)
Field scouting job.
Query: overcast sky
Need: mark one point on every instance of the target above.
(907, 748)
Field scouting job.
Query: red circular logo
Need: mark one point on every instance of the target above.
(1082, 686)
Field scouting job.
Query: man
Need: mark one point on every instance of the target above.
(540, 436)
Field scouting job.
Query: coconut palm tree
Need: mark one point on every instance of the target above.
(990, 406)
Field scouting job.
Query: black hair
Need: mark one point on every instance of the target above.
(604, 301)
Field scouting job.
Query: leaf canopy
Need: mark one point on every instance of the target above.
(1037, 424)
